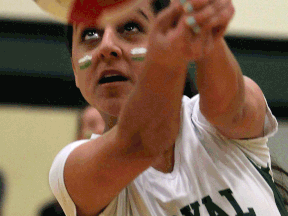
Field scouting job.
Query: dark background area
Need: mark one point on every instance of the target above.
(35, 67)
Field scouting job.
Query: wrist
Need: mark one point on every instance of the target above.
(219, 47)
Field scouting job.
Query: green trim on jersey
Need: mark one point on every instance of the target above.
(278, 197)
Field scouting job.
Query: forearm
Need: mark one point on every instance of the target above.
(152, 113)
(221, 85)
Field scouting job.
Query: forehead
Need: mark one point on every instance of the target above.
(143, 10)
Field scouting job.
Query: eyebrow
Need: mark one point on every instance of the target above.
(139, 11)
(143, 14)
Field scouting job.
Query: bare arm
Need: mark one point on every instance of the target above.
(231, 102)
(98, 170)
(148, 125)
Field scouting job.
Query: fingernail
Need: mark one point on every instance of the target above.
(190, 21)
(196, 29)
(188, 8)
(183, 2)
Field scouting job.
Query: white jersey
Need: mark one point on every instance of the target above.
(211, 176)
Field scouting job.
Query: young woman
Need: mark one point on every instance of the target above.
(162, 153)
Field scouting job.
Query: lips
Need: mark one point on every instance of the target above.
(111, 76)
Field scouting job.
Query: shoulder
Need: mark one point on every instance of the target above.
(56, 176)
(61, 157)
(192, 113)
(65, 152)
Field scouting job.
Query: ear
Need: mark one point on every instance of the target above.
(75, 73)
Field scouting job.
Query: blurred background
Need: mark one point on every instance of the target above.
(39, 103)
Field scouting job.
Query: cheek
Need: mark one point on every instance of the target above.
(85, 81)
(138, 60)
(137, 68)
(75, 70)
(82, 69)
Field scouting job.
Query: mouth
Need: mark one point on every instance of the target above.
(112, 78)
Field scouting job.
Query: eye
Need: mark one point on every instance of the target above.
(131, 28)
(90, 34)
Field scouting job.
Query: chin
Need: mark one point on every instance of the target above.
(111, 106)
(110, 99)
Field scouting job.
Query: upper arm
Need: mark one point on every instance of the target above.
(248, 121)
(97, 171)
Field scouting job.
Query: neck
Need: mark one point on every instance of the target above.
(110, 121)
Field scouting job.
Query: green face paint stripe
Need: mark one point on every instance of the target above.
(85, 62)
(138, 53)
(138, 58)
(85, 65)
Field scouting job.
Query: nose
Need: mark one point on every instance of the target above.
(109, 47)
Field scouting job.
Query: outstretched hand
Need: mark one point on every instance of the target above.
(212, 16)
(188, 30)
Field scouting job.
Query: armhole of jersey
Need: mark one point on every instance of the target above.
(56, 177)
(264, 172)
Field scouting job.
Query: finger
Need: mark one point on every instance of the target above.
(208, 43)
(202, 16)
(220, 18)
(210, 10)
(169, 17)
(189, 30)
(199, 17)
(219, 4)
(192, 24)
(197, 5)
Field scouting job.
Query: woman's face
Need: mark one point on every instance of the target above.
(112, 75)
